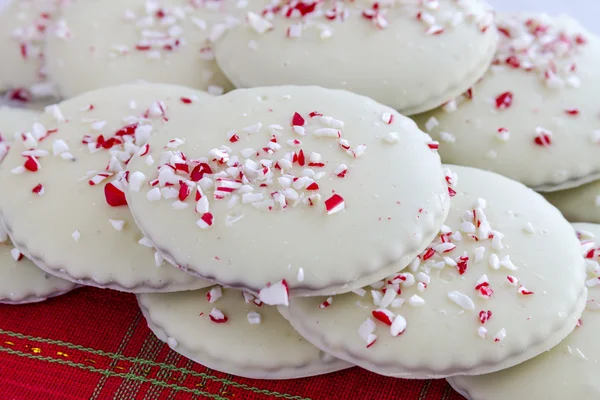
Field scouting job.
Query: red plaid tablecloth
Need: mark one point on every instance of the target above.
(94, 344)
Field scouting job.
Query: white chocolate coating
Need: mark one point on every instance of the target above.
(255, 240)
(443, 327)
(20, 280)
(580, 204)
(552, 95)
(270, 349)
(66, 226)
(402, 65)
(569, 370)
(97, 44)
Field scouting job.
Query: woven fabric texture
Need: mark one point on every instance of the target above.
(94, 344)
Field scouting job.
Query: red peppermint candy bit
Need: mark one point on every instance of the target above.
(199, 170)
(39, 189)
(462, 265)
(114, 196)
(451, 192)
(469, 93)
(572, 111)
(184, 191)
(217, 316)
(486, 291)
(143, 47)
(208, 218)
(334, 204)
(31, 164)
(504, 31)
(326, 303)
(513, 62)
(543, 138)
(428, 254)
(186, 100)
(313, 186)
(580, 39)
(578, 324)
(484, 316)
(127, 130)
(504, 100)
(301, 158)
(383, 315)
(433, 145)
(315, 114)
(372, 342)
(234, 138)
(19, 95)
(297, 120)
(524, 291)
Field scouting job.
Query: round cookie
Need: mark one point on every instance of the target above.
(580, 204)
(502, 282)
(62, 200)
(412, 56)
(21, 281)
(569, 370)
(168, 41)
(532, 111)
(304, 189)
(233, 332)
(23, 27)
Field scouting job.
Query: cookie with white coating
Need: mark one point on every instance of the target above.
(234, 332)
(62, 199)
(23, 28)
(20, 280)
(569, 370)
(503, 282)
(533, 110)
(580, 204)
(293, 188)
(412, 56)
(97, 44)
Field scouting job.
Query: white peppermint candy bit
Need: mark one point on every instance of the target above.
(214, 294)
(76, 235)
(398, 325)
(275, 294)
(254, 318)
(462, 300)
(172, 342)
(117, 224)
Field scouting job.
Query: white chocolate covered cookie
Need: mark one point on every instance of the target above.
(533, 117)
(20, 280)
(580, 204)
(98, 43)
(568, 371)
(23, 28)
(301, 188)
(412, 56)
(62, 187)
(233, 332)
(503, 282)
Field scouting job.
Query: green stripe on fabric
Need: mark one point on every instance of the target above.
(126, 338)
(111, 374)
(152, 363)
(150, 349)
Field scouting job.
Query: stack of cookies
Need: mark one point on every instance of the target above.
(302, 224)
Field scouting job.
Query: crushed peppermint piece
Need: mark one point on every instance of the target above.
(117, 224)
(500, 335)
(214, 294)
(217, 316)
(76, 235)
(461, 300)
(275, 294)
(254, 318)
